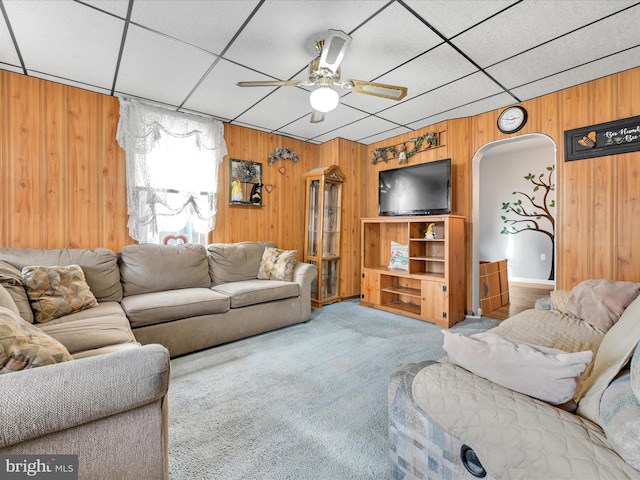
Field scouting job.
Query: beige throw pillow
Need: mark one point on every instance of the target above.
(57, 291)
(601, 302)
(24, 346)
(11, 279)
(277, 264)
(547, 374)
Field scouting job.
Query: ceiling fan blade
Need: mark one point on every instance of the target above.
(317, 117)
(383, 90)
(273, 83)
(335, 46)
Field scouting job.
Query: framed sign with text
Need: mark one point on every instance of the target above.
(611, 138)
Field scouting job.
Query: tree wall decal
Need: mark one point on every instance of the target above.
(528, 214)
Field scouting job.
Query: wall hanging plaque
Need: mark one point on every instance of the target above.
(611, 138)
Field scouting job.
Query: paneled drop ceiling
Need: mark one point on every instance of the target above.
(456, 57)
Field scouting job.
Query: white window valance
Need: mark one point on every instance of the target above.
(172, 168)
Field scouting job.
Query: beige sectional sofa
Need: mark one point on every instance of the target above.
(450, 421)
(104, 388)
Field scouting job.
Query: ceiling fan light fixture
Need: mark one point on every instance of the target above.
(324, 99)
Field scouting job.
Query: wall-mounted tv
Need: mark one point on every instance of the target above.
(423, 189)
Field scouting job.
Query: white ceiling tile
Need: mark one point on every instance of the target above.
(469, 110)
(72, 40)
(213, 94)
(380, 136)
(591, 71)
(443, 99)
(283, 106)
(208, 25)
(531, 23)
(159, 68)
(10, 68)
(71, 83)
(569, 51)
(333, 121)
(451, 18)
(8, 52)
(361, 129)
(116, 7)
(385, 42)
(280, 39)
(437, 67)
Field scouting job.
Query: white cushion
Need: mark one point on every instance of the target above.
(545, 373)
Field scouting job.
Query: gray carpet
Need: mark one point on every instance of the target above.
(305, 402)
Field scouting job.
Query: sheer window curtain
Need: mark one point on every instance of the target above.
(172, 163)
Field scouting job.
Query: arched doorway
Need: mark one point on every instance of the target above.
(517, 149)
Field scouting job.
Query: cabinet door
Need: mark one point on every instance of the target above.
(370, 288)
(434, 302)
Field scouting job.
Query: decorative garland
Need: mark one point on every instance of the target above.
(284, 153)
(381, 154)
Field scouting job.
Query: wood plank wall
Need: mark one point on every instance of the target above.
(598, 200)
(63, 177)
(63, 173)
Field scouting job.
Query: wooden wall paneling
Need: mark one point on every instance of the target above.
(113, 184)
(352, 159)
(460, 150)
(25, 210)
(54, 137)
(575, 241)
(603, 174)
(627, 231)
(4, 159)
(85, 227)
(627, 226)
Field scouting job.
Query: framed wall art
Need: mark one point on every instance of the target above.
(245, 182)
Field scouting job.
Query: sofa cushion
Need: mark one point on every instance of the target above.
(159, 307)
(23, 345)
(545, 373)
(277, 264)
(615, 351)
(6, 300)
(11, 279)
(251, 292)
(235, 262)
(620, 412)
(601, 302)
(149, 268)
(559, 299)
(57, 291)
(79, 332)
(100, 266)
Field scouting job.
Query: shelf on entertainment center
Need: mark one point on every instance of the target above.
(394, 307)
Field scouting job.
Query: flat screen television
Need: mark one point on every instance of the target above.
(423, 189)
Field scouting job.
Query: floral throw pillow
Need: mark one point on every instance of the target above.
(57, 291)
(24, 346)
(277, 264)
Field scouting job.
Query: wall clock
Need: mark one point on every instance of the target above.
(512, 119)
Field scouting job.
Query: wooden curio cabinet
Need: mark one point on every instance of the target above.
(322, 231)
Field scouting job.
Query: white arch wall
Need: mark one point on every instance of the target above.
(511, 147)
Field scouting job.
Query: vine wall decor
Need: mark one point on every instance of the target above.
(285, 154)
(428, 140)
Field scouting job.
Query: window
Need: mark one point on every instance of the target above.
(172, 172)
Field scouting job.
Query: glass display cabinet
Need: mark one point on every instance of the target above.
(322, 231)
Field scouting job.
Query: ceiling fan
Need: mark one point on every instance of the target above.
(324, 71)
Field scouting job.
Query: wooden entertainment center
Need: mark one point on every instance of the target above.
(433, 286)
